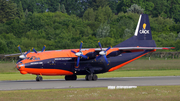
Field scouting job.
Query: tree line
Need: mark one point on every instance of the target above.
(63, 24)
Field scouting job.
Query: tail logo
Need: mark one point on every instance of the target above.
(144, 31)
(144, 26)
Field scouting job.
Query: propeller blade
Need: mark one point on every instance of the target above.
(84, 56)
(106, 59)
(108, 49)
(19, 60)
(73, 51)
(78, 59)
(43, 48)
(80, 46)
(27, 52)
(98, 57)
(19, 48)
(100, 45)
(34, 50)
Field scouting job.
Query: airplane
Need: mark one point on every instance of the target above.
(89, 61)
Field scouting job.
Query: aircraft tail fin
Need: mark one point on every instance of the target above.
(142, 36)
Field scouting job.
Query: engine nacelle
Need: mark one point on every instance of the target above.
(115, 53)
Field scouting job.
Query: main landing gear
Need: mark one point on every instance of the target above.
(39, 78)
(70, 77)
(91, 77)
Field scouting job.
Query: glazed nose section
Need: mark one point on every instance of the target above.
(20, 66)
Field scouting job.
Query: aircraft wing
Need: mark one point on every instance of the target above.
(145, 48)
(12, 55)
(136, 48)
(123, 49)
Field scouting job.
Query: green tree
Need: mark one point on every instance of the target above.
(103, 30)
(63, 10)
(59, 8)
(103, 14)
(52, 5)
(8, 10)
(95, 4)
(113, 4)
(159, 7)
(148, 7)
(26, 13)
(3, 47)
(135, 9)
(123, 5)
(89, 15)
(20, 12)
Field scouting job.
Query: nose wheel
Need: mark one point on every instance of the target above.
(39, 78)
(91, 77)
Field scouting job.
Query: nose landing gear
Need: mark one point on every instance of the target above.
(39, 78)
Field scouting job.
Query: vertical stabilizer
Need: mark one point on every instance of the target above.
(143, 30)
(142, 35)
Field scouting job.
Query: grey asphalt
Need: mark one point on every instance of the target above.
(81, 83)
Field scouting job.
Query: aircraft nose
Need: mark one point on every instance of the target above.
(20, 66)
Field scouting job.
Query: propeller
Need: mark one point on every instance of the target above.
(34, 50)
(103, 53)
(22, 56)
(79, 54)
(43, 49)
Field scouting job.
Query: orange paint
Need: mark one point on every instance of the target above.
(117, 67)
(23, 72)
(55, 54)
(46, 71)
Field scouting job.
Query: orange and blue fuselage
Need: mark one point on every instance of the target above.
(63, 62)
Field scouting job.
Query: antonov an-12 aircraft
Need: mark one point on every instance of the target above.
(89, 61)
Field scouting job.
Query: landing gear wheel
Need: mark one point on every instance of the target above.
(39, 78)
(70, 77)
(94, 77)
(74, 77)
(86, 77)
(91, 77)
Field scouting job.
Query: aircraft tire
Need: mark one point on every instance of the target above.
(39, 78)
(86, 77)
(70, 77)
(67, 77)
(74, 77)
(89, 77)
(94, 77)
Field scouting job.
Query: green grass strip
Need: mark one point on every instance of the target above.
(143, 93)
(105, 75)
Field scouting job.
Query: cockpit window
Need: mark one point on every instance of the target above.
(33, 58)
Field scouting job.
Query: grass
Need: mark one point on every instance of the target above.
(143, 93)
(173, 64)
(105, 75)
